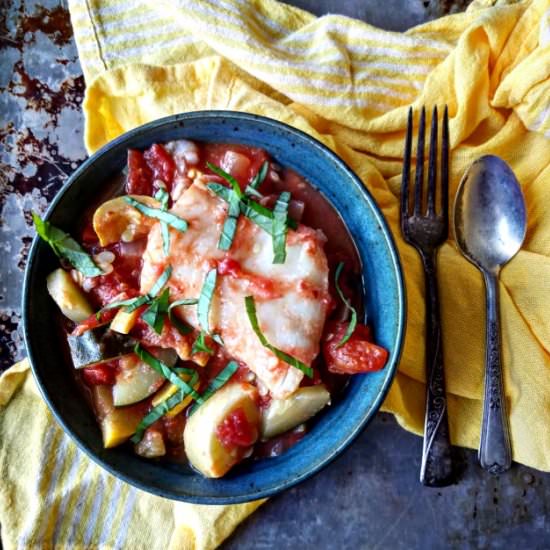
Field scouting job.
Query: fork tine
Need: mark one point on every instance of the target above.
(419, 180)
(432, 164)
(406, 170)
(445, 168)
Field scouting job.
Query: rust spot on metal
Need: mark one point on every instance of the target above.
(56, 23)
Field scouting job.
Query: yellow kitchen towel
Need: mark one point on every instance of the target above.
(349, 85)
(53, 496)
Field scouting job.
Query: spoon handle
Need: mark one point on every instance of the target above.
(437, 466)
(495, 454)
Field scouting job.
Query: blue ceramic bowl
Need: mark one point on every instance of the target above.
(338, 425)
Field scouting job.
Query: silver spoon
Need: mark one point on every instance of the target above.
(489, 225)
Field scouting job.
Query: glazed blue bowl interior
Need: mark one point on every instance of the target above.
(338, 425)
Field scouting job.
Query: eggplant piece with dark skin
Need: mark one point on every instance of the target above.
(98, 346)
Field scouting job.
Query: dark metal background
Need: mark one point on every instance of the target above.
(370, 497)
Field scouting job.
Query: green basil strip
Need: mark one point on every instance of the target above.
(205, 299)
(227, 177)
(171, 219)
(163, 197)
(66, 247)
(161, 281)
(280, 228)
(160, 410)
(228, 371)
(258, 179)
(200, 345)
(182, 327)
(230, 224)
(121, 303)
(221, 190)
(251, 312)
(155, 314)
(133, 303)
(184, 302)
(254, 211)
(223, 377)
(251, 192)
(353, 321)
(139, 301)
(165, 371)
(165, 232)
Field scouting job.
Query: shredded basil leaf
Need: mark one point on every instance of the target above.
(230, 224)
(223, 377)
(205, 299)
(280, 228)
(139, 301)
(353, 321)
(121, 303)
(154, 315)
(251, 312)
(160, 410)
(229, 370)
(163, 197)
(221, 190)
(161, 281)
(182, 327)
(165, 232)
(200, 345)
(184, 302)
(171, 219)
(254, 211)
(251, 192)
(227, 177)
(258, 179)
(165, 371)
(66, 247)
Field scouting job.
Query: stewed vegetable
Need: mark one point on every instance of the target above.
(213, 309)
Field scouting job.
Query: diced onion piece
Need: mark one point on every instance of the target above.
(152, 445)
(282, 415)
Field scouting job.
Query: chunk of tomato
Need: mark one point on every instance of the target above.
(140, 177)
(236, 430)
(100, 375)
(161, 164)
(236, 160)
(357, 355)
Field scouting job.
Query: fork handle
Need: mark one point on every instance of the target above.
(437, 465)
(495, 453)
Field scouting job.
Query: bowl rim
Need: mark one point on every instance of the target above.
(386, 233)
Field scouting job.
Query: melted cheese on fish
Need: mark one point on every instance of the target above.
(292, 299)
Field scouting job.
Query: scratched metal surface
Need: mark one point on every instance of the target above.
(370, 497)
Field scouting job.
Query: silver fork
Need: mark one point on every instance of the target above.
(427, 230)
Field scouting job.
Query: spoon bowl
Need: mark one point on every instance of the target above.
(489, 217)
(489, 224)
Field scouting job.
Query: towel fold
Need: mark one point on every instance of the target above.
(349, 85)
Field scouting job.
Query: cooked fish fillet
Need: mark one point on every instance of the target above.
(292, 299)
